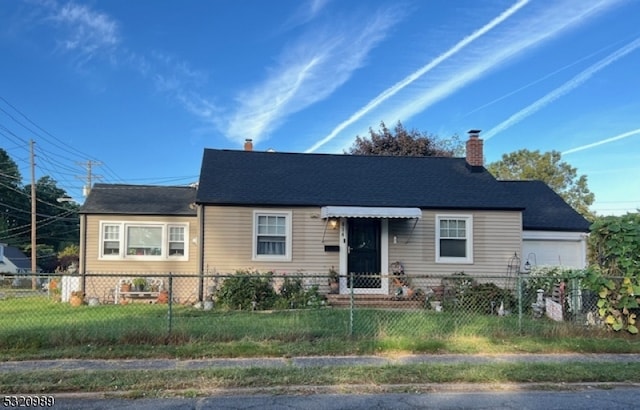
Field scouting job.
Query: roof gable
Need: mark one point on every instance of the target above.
(17, 257)
(545, 209)
(291, 179)
(140, 200)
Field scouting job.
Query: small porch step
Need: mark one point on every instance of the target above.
(374, 301)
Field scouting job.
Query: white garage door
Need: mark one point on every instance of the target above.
(554, 253)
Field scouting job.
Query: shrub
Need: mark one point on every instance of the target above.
(246, 291)
(486, 298)
(293, 295)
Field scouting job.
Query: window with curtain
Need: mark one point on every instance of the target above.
(272, 235)
(176, 240)
(111, 240)
(144, 240)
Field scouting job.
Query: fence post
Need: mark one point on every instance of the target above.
(520, 295)
(576, 300)
(351, 304)
(170, 307)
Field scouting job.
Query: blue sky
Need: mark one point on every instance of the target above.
(140, 88)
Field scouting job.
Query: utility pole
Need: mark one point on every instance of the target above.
(90, 176)
(34, 266)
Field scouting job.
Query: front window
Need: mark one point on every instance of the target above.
(454, 242)
(135, 240)
(144, 240)
(272, 236)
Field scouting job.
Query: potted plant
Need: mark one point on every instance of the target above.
(54, 290)
(139, 284)
(334, 281)
(125, 285)
(77, 298)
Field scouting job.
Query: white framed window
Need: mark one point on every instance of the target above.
(272, 235)
(454, 238)
(176, 240)
(143, 240)
(110, 240)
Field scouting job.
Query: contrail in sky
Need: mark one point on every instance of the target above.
(390, 92)
(605, 141)
(562, 90)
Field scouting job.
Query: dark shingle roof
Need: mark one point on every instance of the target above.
(546, 210)
(18, 258)
(269, 178)
(140, 200)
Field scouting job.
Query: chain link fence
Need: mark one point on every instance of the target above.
(176, 308)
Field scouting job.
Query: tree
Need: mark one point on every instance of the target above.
(403, 142)
(57, 222)
(14, 205)
(547, 167)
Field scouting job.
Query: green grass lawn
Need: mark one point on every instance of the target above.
(34, 328)
(38, 328)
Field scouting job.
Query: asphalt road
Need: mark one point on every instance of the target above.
(582, 398)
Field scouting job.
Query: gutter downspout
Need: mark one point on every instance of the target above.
(201, 252)
(83, 249)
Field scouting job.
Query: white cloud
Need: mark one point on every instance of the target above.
(390, 92)
(87, 32)
(562, 90)
(307, 72)
(306, 12)
(604, 141)
(494, 49)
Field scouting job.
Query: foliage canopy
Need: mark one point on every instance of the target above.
(547, 167)
(57, 223)
(403, 142)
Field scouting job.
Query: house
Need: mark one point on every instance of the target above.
(12, 260)
(553, 233)
(290, 212)
(137, 230)
(309, 213)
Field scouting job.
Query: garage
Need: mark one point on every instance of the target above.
(554, 249)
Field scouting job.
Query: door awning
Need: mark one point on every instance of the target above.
(369, 212)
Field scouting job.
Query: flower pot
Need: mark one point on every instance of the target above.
(334, 287)
(163, 296)
(76, 300)
(125, 287)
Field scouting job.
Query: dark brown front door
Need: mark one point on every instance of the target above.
(364, 252)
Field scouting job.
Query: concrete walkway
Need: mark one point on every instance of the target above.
(305, 362)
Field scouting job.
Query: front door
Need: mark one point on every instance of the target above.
(364, 253)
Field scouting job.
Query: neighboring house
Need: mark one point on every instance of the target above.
(554, 234)
(12, 260)
(137, 229)
(309, 213)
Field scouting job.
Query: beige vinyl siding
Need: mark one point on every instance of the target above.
(93, 263)
(497, 236)
(228, 241)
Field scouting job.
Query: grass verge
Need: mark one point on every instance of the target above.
(156, 383)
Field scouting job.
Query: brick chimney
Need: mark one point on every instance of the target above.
(475, 157)
(248, 144)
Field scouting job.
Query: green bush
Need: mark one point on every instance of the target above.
(246, 291)
(255, 291)
(486, 298)
(293, 295)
